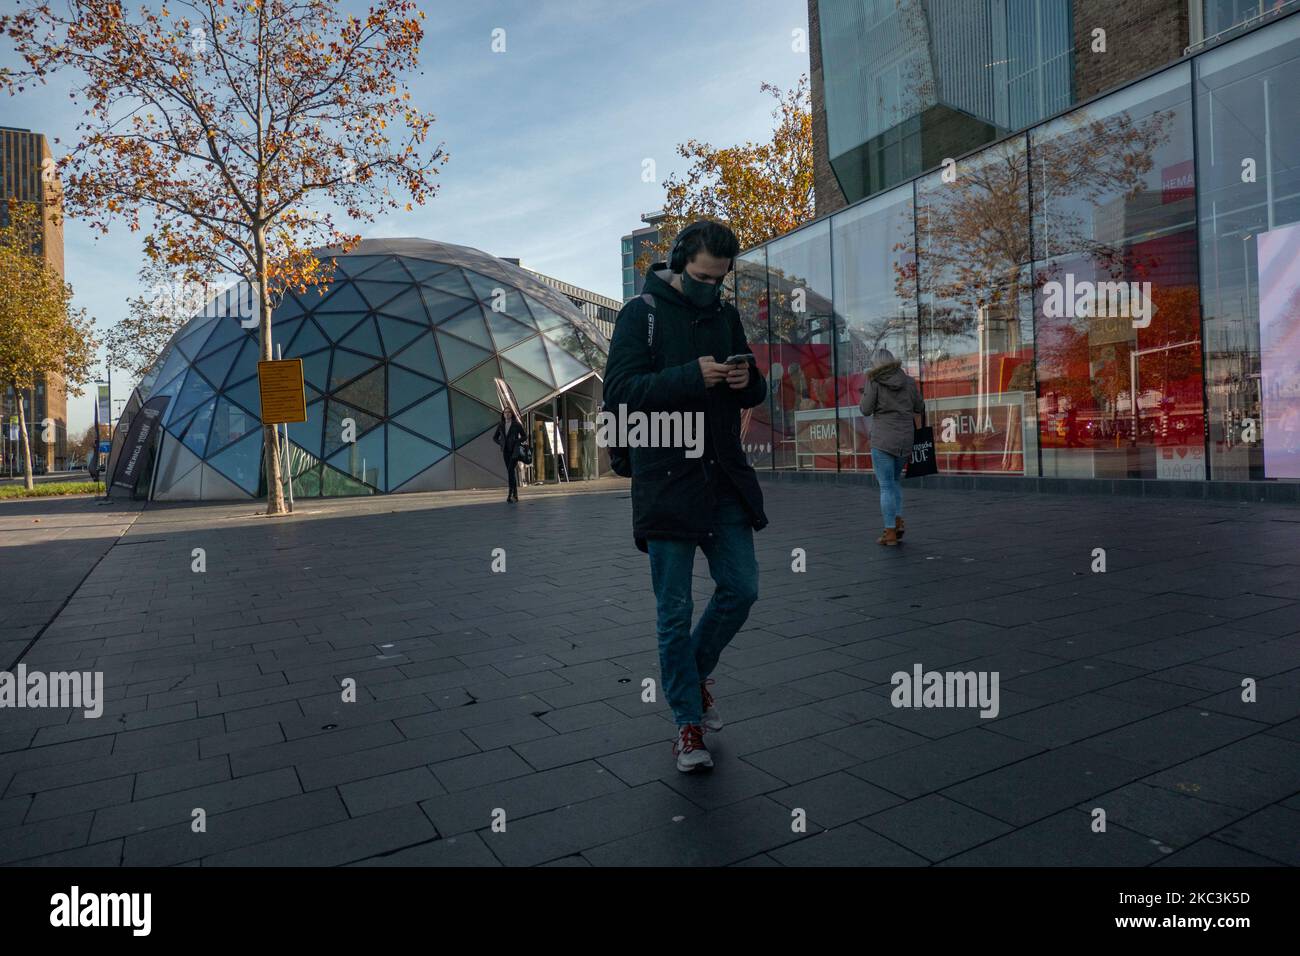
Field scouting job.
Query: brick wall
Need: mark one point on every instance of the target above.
(1141, 36)
(829, 196)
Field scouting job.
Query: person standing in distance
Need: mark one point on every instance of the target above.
(893, 401)
(673, 357)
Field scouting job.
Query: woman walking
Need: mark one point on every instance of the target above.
(510, 436)
(892, 399)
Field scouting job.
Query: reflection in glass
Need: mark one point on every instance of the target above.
(873, 246)
(1248, 180)
(1117, 303)
(977, 338)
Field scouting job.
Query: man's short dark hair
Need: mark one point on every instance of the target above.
(714, 237)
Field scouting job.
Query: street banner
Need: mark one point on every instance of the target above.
(143, 428)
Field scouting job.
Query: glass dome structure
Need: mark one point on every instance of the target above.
(399, 356)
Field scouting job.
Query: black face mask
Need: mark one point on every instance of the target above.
(703, 294)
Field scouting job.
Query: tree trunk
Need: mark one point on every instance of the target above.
(270, 434)
(22, 430)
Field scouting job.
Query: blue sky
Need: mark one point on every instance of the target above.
(546, 140)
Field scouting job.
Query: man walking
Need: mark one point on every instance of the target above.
(672, 356)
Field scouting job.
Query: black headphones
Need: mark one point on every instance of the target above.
(677, 255)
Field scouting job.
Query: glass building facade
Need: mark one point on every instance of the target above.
(910, 82)
(400, 355)
(1111, 293)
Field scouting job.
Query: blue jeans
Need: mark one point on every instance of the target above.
(889, 472)
(687, 657)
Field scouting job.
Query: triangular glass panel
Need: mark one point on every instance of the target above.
(336, 415)
(170, 387)
(421, 356)
(308, 433)
(356, 265)
(196, 432)
(527, 389)
(405, 387)
(545, 316)
(315, 369)
(441, 305)
(409, 455)
(343, 297)
(567, 368)
(347, 366)
(364, 338)
(335, 484)
(193, 393)
(366, 393)
(407, 304)
(397, 334)
(282, 333)
(480, 383)
(429, 418)
(242, 461)
(338, 324)
(227, 330)
(246, 363)
(505, 330)
(193, 338)
(470, 418)
(487, 288)
(363, 459)
(288, 309)
(229, 424)
(458, 356)
(531, 357)
(175, 365)
(381, 295)
(309, 339)
(452, 282)
(217, 365)
(422, 269)
(390, 271)
(178, 426)
(468, 326)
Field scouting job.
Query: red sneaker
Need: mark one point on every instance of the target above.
(690, 750)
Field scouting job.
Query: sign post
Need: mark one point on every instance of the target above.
(284, 400)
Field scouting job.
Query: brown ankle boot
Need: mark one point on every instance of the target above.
(889, 538)
(898, 526)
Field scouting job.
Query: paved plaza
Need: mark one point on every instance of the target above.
(499, 715)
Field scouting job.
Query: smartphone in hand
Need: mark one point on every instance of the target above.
(739, 359)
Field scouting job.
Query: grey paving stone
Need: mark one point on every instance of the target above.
(597, 741)
(1041, 785)
(177, 843)
(1216, 854)
(100, 768)
(305, 749)
(1273, 832)
(1172, 737)
(801, 760)
(580, 826)
(41, 839)
(836, 799)
(871, 739)
(214, 798)
(467, 849)
(1063, 839)
(469, 810)
(1174, 819)
(935, 827)
(334, 843)
(714, 838)
(68, 801)
(1250, 775)
(464, 773)
(850, 845)
(936, 764)
(390, 790)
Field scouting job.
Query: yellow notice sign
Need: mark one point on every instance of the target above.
(284, 398)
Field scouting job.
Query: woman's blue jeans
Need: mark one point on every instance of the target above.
(889, 474)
